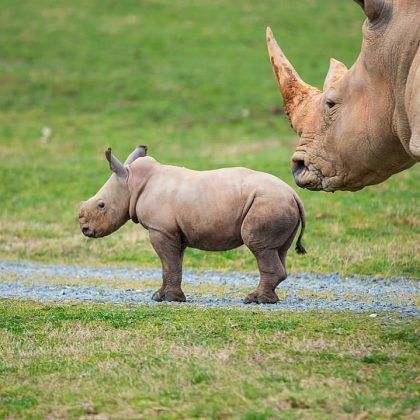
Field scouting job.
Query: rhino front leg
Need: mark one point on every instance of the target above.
(170, 252)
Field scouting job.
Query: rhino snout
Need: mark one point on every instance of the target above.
(298, 166)
(299, 169)
(84, 225)
(306, 174)
(87, 232)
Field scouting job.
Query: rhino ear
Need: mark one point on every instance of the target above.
(336, 72)
(115, 165)
(372, 8)
(139, 151)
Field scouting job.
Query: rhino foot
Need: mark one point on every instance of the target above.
(169, 296)
(262, 297)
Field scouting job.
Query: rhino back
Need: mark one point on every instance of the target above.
(206, 207)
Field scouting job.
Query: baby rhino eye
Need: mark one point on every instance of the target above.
(101, 204)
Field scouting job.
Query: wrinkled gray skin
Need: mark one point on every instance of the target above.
(209, 210)
(364, 125)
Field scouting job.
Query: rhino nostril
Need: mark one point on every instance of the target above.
(298, 166)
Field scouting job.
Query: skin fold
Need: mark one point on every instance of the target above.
(364, 126)
(209, 210)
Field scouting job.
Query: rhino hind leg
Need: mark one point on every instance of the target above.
(272, 272)
(269, 235)
(170, 252)
(163, 295)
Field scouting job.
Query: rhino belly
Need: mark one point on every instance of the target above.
(211, 222)
(211, 234)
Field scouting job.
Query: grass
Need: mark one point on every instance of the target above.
(173, 362)
(191, 80)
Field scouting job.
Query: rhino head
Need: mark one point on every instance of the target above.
(360, 128)
(108, 209)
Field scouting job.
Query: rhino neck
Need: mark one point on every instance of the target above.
(401, 50)
(404, 89)
(385, 61)
(139, 173)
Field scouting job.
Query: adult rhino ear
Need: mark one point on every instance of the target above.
(139, 151)
(372, 8)
(115, 165)
(336, 71)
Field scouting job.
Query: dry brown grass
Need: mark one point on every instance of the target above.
(52, 243)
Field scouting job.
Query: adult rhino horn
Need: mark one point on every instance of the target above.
(139, 151)
(292, 87)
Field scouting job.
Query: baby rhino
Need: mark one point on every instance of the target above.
(209, 210)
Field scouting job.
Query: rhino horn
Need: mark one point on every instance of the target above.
(139, 151)
(114, 164)
(336, 72)
(293, 89)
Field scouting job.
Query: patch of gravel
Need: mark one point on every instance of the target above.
(304, 291)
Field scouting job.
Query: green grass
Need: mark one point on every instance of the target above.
(180, 362)
(191, 80)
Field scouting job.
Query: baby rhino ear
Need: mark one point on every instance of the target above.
(139, 151)
(115, 165)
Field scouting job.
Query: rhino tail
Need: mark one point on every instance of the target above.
(300, 249)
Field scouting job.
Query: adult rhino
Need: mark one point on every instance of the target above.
(364, 126)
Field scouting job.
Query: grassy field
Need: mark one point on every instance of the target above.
(98, 361)
(193, 81)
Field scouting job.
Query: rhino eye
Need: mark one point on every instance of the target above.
(330, 103)
(101, 204)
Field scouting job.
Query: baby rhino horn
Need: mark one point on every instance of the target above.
(139, 151)
(114, 164)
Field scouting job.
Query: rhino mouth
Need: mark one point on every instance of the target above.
(84, 227)
(306, 176)
(88, 232)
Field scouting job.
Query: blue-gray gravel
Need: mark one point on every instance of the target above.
(302, 291)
